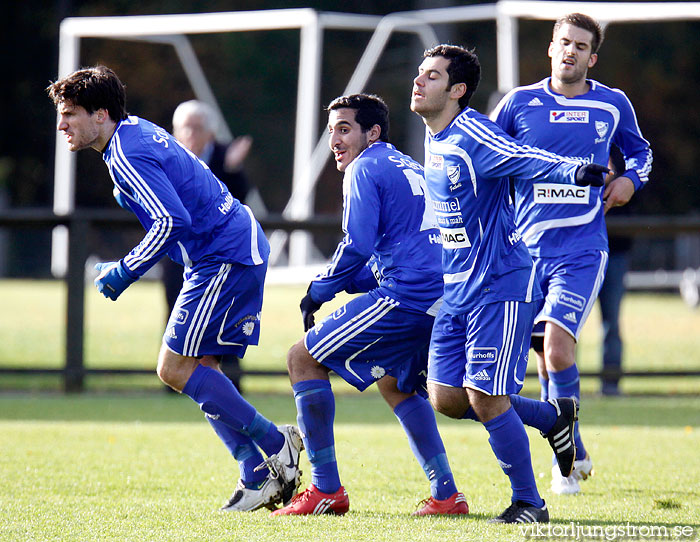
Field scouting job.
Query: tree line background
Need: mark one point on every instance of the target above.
(253, 75)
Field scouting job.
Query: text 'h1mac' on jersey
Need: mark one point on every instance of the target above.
(389, 229)
(466, 169)
(556, 220)
(190, 215)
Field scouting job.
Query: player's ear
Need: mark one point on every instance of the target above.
(458, 90)
(592, 60)
(550, 48)
(375, 133)
(101, 115)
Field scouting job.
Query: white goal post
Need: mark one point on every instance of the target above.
(310, 152)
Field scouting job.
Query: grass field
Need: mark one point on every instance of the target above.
(661, 334)
(147, 467)
(127, 462)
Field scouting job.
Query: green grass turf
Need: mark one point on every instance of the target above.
(661, 333)
(147, 467)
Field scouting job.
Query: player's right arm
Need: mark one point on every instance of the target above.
(122, 199)
(153, 198)
(366, 278)
(361, 209)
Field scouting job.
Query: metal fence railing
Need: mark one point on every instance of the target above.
(81, 222)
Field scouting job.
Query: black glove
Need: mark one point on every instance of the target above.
(591, 175)
(308, 307)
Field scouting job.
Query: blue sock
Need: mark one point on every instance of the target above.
(534, 413)
(544, 388)
(243, 450)
(315, 415)
(219, 399)
(418, 421)
(566, 383)
(511, 446)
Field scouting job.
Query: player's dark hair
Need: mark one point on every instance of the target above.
(92, 88)
(369, 110)
(464, 68)
(585, 22)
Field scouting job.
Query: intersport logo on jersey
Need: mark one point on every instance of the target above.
(566, 117)
(549, 193)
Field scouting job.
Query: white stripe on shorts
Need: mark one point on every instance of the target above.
(352, 328)
(202, 314)
(600, 277)
(510, 321)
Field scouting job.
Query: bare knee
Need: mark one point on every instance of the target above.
(557, 360)
(175, 370)
(451, 402)
(389, 388)
(487, 407)
(302, 366)
(559, 348)
(211, 361)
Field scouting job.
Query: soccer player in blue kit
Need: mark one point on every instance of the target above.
(481, 336)
(391, 251)
(190, 216)
(565, 230)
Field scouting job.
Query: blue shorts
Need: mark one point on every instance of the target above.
(485, 349)
(372, 336)
(217, 311)
(570, 285)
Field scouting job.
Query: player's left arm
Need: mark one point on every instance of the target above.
(637, 154)
(505, 117)
(496, 154)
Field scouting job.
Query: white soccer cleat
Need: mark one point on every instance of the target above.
(284, 465)
(569, 485)
(248, 499)
(583, 468)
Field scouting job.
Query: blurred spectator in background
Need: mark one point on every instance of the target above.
(195, 126)
(610, 296)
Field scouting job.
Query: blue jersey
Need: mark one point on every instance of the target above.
(389, 228)
(189, 214)
(549, 217)
(466, 169)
